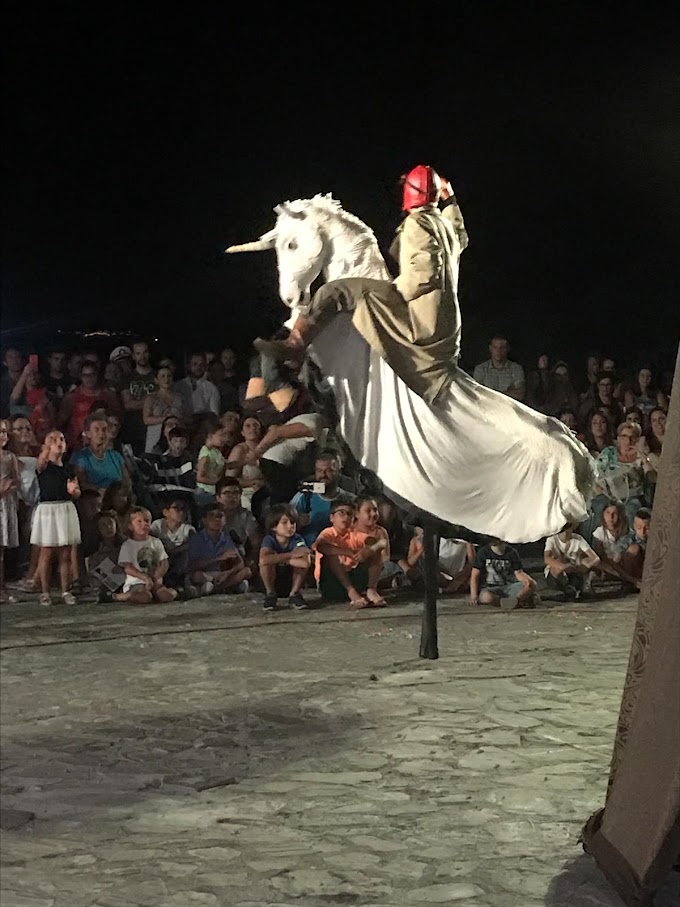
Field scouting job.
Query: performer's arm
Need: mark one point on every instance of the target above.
(452, 212)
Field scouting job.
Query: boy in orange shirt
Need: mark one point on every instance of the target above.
(350, 561)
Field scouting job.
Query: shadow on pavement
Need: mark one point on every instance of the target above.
(91, 768)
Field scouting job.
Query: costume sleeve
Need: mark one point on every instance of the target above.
(454, 215)
(421, 261)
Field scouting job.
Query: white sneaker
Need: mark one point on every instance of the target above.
(207, 588)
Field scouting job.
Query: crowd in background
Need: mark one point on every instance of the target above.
(119, 475)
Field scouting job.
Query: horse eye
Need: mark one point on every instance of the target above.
(292, 245)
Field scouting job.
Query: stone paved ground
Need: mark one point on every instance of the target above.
(205, 754)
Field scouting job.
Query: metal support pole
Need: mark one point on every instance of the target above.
(428, 635)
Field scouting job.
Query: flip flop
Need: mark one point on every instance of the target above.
(357, 604)
(378, 602)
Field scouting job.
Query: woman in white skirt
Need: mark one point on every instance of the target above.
(55, 523)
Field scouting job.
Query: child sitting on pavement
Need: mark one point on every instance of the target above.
(611, 541)
(175, 533)
(239, 522)
(367, 526)
(103, 569)
(145, 562)
(633, 558)
(454, 564)
(284, 559)
(349, 566)
(498, 570)
(569, 562)
(215, 564)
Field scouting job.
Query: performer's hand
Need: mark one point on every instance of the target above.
(447, 189)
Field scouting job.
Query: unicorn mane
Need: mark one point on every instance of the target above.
(328, 207)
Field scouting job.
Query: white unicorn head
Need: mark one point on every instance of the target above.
(317, 236)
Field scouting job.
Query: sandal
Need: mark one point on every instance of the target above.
(45, 599)
(375, 599)
(356, 604)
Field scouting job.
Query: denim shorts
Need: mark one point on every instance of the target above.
(505, 591)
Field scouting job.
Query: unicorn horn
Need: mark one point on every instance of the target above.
(266, 241)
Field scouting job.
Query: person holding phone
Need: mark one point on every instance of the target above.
(313, 501)
(29, 398)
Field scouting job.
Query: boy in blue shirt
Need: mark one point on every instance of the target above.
(284, 559)
(215, 564)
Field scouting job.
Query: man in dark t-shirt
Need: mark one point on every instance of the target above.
(141, 383)
(498, 570)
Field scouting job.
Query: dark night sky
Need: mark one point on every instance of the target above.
(138, 147)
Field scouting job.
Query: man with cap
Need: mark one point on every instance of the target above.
(413, 322)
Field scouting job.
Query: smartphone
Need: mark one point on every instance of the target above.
(313, 487)
(33, 361)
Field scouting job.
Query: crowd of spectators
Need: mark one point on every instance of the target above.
(147, 486)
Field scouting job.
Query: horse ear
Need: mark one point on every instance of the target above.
(284, 208)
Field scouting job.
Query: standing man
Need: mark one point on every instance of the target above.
(498, 372)
(414, 321)
(140, 384)
(200, 394)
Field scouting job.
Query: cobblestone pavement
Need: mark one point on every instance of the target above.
(197, 755)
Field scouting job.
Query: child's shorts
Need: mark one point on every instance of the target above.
(331, 588)
(505, 591)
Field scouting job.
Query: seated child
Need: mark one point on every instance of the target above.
(118, 500)
(214, 562)
(103, 570)
(348, 565)
(239, 522)
(366, 524)
(497, 570)
(569, 561)
(145, 562)
(284, 559)
(610, 542)
(454, 564)
(175, 533)
(633, 558)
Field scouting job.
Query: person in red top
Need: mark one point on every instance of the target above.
(79, 403)
(43, 415)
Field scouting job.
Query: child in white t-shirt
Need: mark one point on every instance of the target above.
(145, 562)
(175, 533)
(569, 561)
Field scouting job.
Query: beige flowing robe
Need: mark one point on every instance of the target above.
(414, 323)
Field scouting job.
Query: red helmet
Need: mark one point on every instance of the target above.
(421, 187)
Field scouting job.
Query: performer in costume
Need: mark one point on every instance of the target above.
(414, 321)
(439, 441)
